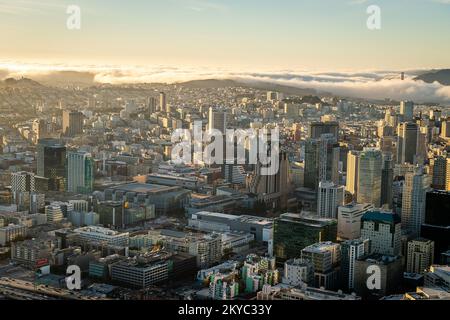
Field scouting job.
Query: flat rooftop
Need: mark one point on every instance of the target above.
(143, 188)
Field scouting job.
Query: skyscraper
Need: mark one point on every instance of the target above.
(415, 188)
(51, 163)
(72, 123)
(352, 172)
(447, 175)
(317, 129)
(437, 221)
(383, 229)
(162, 102)
(40, 129)
(439, 172)
(330, 197)
(152, 105)
(445, 129)
(387, 178)
(217, 120)
(369, 177)
(22, 182)
(80, 172)
(321, 161)
(407, 110)
(272, 189)
(408, 138)
(351, 251)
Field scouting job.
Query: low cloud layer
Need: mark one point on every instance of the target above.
(371, 85)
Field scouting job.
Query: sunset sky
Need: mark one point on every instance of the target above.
(255, 34)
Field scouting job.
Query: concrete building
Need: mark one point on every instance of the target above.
(261, 228)
(439, 172)
(141, 272)
(391, 273)
(11, 232)
(330, 197)
(326, 258)
(351, 250)
(349, 220)
(207, 248)
(103, 235)
(217, 120)
(54, 213)
(298, 272)
(72, 123)
(383, 229)
(420, 255)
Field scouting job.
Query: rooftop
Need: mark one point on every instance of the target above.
(381, 216)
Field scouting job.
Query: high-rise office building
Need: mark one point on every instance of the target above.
(407, 110)
(408, 139)
(447, 175)
(217, 120)
(438, 170)
(51, 163)
(369, 177)
(383, 229)
(352, 172)
(420, 255)
(22, 181)
(435, 114)
(40, 129)
(317, 129)
(294, 232)
(80, 172)
(152, 105)
(387, 178)
(330, 197)
(162, 102)
(349, 220)
(445, 129)
(272, 189)
(415, 188)
(351, 250)
(437, 221)
(72, 123)
(321, 161)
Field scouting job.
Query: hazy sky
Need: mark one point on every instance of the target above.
(267, 34)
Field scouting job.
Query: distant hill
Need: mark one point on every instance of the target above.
(305, 99)
(267, 86)
(66, 78)
(23, 82)
(441, 76)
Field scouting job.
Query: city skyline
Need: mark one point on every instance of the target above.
(225, 150)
